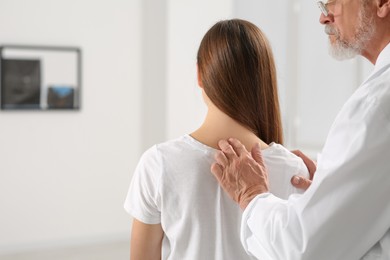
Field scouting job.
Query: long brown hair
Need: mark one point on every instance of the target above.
(237, 71)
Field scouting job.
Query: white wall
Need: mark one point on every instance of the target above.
(154, 71)
(188, 21)
(64, 175)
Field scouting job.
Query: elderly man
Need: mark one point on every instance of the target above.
(345, 213)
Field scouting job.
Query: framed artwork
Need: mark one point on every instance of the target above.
(40, 77)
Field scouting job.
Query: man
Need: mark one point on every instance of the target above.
(345, 213)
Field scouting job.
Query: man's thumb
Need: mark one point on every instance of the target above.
(300, 182)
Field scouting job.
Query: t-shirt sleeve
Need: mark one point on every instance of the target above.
(143, 197)
(282, 166)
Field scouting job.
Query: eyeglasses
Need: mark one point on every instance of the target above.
(324, 7)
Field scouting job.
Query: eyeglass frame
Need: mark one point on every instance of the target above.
(324, 6)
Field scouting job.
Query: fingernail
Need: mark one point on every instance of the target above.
(296, 180)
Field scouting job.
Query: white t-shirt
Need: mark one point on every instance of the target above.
(173, 185)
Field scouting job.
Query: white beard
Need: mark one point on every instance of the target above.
(343, 49)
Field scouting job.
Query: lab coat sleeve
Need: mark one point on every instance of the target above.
(347, 208)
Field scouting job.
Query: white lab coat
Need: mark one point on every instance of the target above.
(345, 214)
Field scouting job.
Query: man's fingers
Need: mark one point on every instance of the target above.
(227, 149)
(221, 158)
(217, 170)
(256, 154)
(238, 147)
(310, 164)
(300, 182)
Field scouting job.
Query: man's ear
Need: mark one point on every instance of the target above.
(383, 8)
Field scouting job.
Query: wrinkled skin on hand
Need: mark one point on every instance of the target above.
(241, 174)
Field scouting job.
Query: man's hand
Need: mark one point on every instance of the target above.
(240, 173)
(299, 181)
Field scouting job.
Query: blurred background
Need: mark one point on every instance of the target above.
(64, 174)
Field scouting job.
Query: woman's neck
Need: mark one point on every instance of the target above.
(217, 125)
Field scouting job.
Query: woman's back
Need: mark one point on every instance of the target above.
(172, 185)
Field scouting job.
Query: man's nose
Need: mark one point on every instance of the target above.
(326, 19)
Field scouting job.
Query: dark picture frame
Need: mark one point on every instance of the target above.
(40, 77)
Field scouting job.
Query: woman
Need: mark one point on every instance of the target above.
(179, 210)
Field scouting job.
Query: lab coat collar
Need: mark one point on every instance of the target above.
(383, 58)
(382, 62)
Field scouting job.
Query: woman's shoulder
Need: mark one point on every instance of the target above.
(282, 164)
(278, 151)
(174, 147)
(279, 157)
